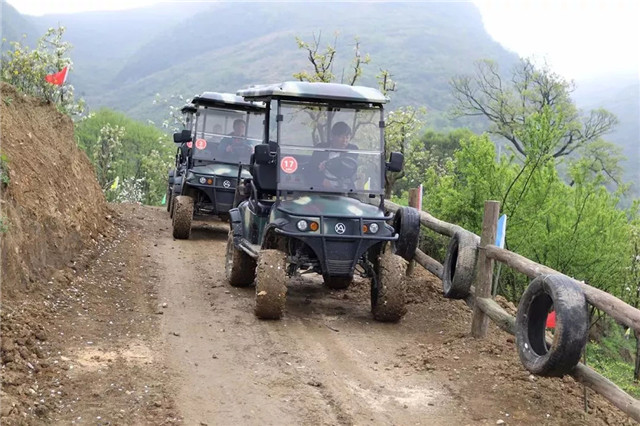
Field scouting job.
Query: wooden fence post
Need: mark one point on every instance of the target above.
(484, 275)
(414, 199)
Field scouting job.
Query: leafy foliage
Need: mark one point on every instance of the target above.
(26, 69)
(509, 104)
(576, 229)
(4, 175)
(136, 154)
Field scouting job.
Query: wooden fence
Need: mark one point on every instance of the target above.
(485, 308)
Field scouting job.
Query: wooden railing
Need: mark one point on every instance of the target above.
(485, 308)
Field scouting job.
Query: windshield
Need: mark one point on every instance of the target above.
(329, 149)
(225, 135)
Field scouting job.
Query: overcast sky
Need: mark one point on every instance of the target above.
(579, 39)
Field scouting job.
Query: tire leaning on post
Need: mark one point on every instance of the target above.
(406, 223)
(459, 266)
(572, 324)
(182, 216)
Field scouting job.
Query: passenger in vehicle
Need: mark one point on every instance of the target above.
(236, 144)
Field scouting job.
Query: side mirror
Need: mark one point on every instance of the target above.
(396, 160)
(182, 137)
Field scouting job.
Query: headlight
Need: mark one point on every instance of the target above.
(302, 225)
(203, 180)
(373, 228)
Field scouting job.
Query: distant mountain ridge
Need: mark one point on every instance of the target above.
(122, 59)
(190, 47)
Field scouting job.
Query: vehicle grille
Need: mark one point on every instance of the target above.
(219, 182)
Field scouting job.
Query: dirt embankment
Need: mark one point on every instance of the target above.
(54, 215)
(52, 204)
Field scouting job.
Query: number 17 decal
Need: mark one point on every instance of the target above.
(289, 164)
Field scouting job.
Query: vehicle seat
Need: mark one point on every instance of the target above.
(265, 175)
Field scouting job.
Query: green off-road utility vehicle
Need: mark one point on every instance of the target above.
(315, 199)
(225, 132)
(188, 111)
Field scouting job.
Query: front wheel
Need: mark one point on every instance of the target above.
(240, 268)
(182, 216)
(388, 287)
(271, 284)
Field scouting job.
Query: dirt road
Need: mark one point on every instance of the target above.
(150, 333)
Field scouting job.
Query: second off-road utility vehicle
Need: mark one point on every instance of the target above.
(226, 129)
(188, 112)
(315, 199)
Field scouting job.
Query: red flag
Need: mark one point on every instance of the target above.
(551, 320)
(57, 78)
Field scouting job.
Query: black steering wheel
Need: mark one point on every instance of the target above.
(341, 167)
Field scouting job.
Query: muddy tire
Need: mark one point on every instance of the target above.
(169, 199)
(271, 284)
(172, 204)
(388, 287)
(182, 216)
(407, 224)
(459, 266)
(240, 268)
(337, 283)
(567, 299)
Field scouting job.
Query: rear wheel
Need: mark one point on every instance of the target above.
(182, 216)
(168, 198)
(337, 283)
(271, 284)
(240, 268)
(388, 287)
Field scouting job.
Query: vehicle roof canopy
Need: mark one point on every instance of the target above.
(302, 90)
(188, 108)
(227, 101)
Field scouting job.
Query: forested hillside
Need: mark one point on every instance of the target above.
(122, 59)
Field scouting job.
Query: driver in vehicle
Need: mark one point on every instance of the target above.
(235, 144)
(340, 136)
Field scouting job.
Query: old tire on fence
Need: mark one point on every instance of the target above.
(406, 223)
(388, 287)
(572, 321)
(168, 198)
(459, 266)
(271, 284)
(240, 268)
(337, 283)
(182, 216)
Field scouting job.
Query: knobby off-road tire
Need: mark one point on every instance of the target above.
(182, 216)
(172, 204)
(406, 223)
(337, 283)
(572, 321)
(168, 199)
(271, 284)
(388, 287)
(459, 266)
(240, 268)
